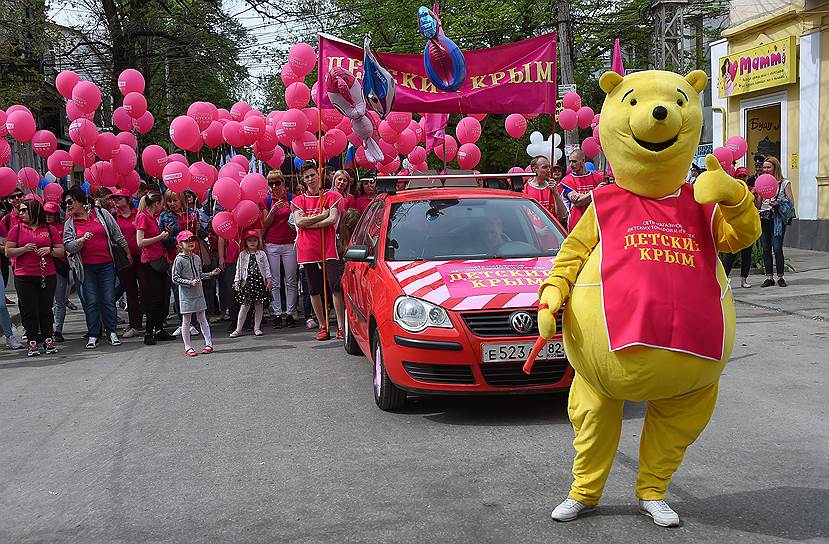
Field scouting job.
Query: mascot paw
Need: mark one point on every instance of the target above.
(549, 304)
(715, 186)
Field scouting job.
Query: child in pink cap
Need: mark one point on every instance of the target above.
(188, 276)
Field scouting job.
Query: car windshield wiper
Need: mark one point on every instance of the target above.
(455, 257)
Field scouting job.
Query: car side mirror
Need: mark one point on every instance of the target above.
(358, 253)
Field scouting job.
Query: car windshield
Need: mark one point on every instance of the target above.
(470, 228)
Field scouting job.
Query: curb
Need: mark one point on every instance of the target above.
(807, 315)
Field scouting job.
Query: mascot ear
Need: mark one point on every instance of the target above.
(698, 79)
(609, 81)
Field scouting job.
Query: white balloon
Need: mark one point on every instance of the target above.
(539, 146)
(558, 154)
(557, 140)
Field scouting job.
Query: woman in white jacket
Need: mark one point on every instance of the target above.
(253, 282)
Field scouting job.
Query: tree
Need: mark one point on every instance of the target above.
(22, 44)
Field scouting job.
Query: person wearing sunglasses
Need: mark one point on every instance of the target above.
(280, 247)
(154, 266)
(9, 220)
(125, 216)
(34, 246)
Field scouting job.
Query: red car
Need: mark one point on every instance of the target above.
(440, 288)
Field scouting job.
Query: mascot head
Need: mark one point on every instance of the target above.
(650, 128)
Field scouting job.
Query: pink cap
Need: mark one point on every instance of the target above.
(184, 235)
(51, 207)
(122, 192)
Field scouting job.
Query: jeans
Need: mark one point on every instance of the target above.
(61, 289)
(35, 302)
(279, 256)
(129, 284)
(745, 261)
(99, 298)
(772, 244)
(5, 318)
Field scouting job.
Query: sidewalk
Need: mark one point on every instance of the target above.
(807, 294)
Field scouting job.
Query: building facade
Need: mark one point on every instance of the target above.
(770, 83)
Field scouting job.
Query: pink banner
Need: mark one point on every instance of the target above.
(465, 279)
(514, 78)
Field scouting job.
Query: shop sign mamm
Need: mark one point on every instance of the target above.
(762, 67)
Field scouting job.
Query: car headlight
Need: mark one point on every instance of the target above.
(415, 315)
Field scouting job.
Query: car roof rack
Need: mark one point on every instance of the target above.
(452, 178)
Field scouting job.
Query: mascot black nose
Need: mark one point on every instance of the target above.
(660, 113)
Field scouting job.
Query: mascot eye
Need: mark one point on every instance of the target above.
(679, 102)
(633, 102)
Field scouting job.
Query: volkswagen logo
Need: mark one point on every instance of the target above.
(521, 322)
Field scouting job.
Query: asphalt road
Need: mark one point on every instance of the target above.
(277, 439)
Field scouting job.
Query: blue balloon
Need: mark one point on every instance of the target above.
(589, 167)
(440, 50)
(379, 87)
(86, 187)
(43, 183)
(298, 163)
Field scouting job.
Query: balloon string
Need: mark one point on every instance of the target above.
(320, 172)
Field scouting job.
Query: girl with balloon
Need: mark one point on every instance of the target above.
(776, 209)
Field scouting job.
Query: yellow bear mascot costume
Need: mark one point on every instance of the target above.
(649, 314)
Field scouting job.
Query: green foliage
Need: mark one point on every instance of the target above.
(22, 45)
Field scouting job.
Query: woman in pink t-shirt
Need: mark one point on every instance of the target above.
(369, 190)
(280, 238)
(153, 271)
(342, 185)
(33, 245)
(125, 216)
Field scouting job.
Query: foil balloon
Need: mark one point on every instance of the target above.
(444, 61)
(346, 96)
(378, 84)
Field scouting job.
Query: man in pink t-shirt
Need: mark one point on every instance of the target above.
(315, 216)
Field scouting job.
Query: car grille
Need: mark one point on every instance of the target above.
(512, 374)
(498, 323)
(449, 374)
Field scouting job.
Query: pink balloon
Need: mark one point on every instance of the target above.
(251, 113)
(294, 123)
(245, 213)
(738, 147)
(201, 176)
(297, 95)
(302, 58)
(102, 174)
(595, 122)
(530, 116)
(178, 157)
(44, 143)
(203, 113)
(239, 109)
(596, 135)
(254, 187)
(52, 192)
(176, 176)
(305, 147)
(8, 181)
(334, 142)
(267, 140)
(28, 177)
(5, 152)
(232, 134)
(65, 82)
(584, 116)
(331, 119)
(86, 96)
(571, 101)
(315, 93)
(242, 161)
(83, 132)
(84, 157)
(724, 155)
(469, 155)
(262, 153)
(277, 158)
(345, 125)
(223, 114)
(273, 118)
(479, 116)
(21, 125)
(122, 119)
(415, 127)
(766, 186)
(212, 135)
(468, 130)
(516, 125)
(107, 146)
(355, 140)
(362, 160)
(253, 128)
(127, 138)
(3, 129)
(223, 224)
(389, 151)
(125, 160)
(154, 159)
(130, 81)
(60, 163)
(227, 192)
(234, 171)
(72, 112)
(18, 107)
(135, 104)
(399, 120)
(388, 133)
(451, 148)
(590, 146)
(288, 75)
(406, 142)
(313, 117)
(144, 124)
(184, 131)
(130, 183)
(568, 119)
(417, 155)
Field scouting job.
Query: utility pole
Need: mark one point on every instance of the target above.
(565, 47)
(670, 39)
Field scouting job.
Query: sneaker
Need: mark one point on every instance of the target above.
(662, 514)
(322, 335)
(164, 335)
(277, 322)
(290, 322)
(129, 333)
(311, 324)
(235, 334)
(744, 284)
(33, 349)
(781, 282)
(569, 510)
(213, 319)
(113, 339)
(194, 331)
(10, 302)
(177, 332)
(92, 343)
(149, 340)
(71, 305)
(767, 283)
(13, 343)
(59, 337)
(49, 346)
